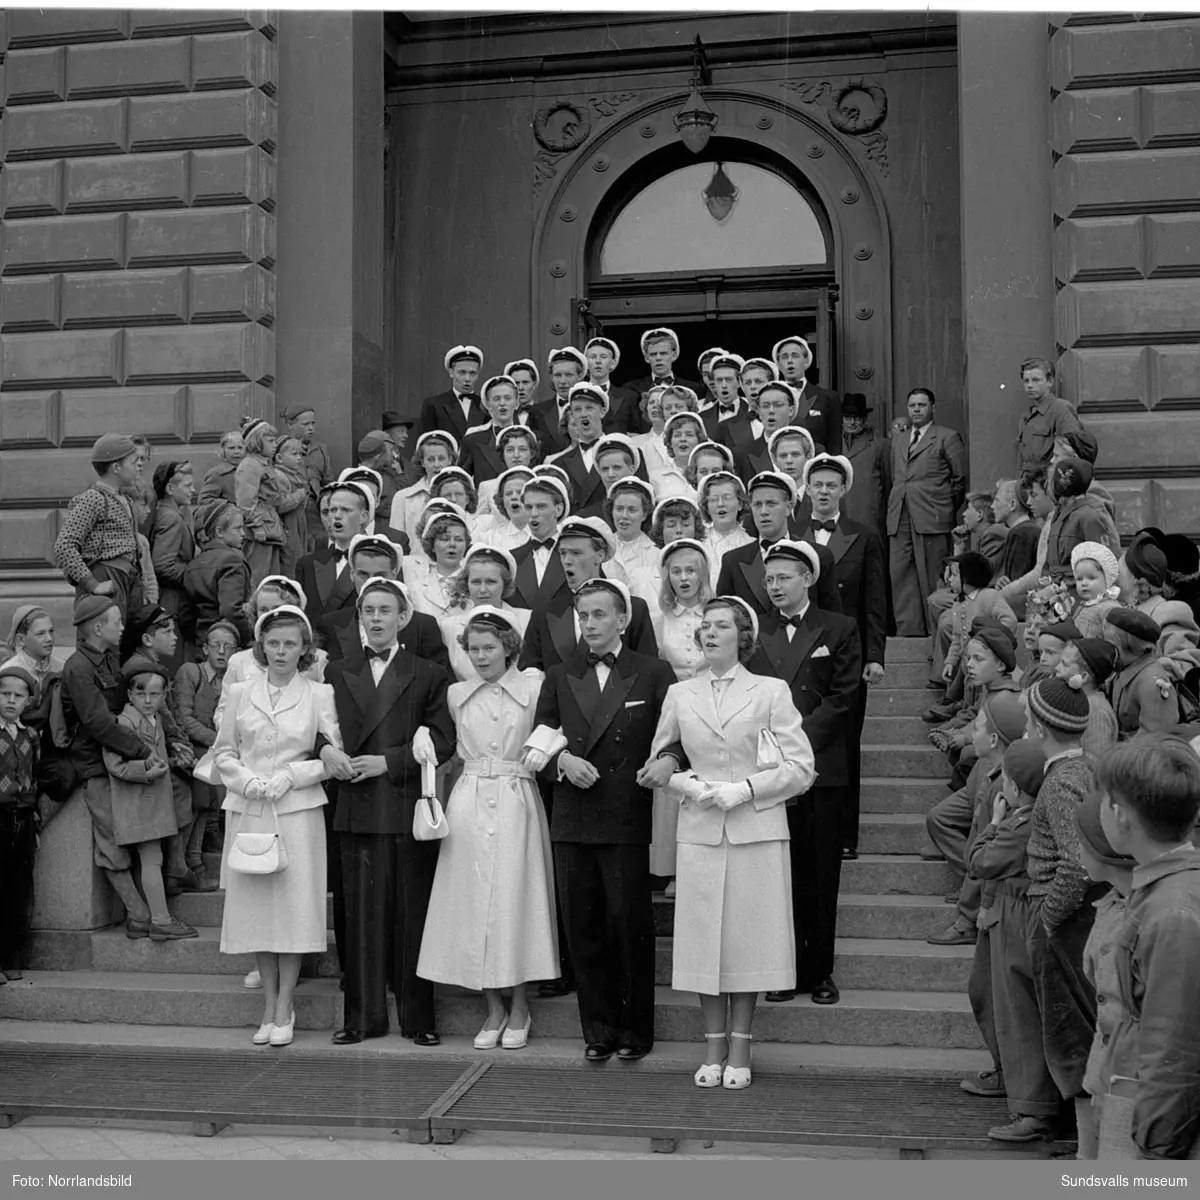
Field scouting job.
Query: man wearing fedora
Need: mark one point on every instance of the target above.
(399, 428)
(865, 451)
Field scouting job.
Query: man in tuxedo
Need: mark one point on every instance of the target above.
(820, 410)
(703, 364)
(772, 498)
(567, 367)
(584, 545)
(480, 455)
(586, 407)
(539, 570)
(384, 696)
(457, 409)
(606, 700)
(926, 481)
(325, 574)
(624, 416)
(817, 655)
(776, 410)
(728, 419)
(660, 349)
(859, 567)
(377, 518)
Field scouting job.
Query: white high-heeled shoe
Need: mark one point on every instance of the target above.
(709, 1074)
(736, 1078)
(489, 1039)
(263, 1036)
(281, 1035)
(517, 1038)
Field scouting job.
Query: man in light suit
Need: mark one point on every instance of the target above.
(383, 696)
(927, 482)
(606, 701)
(817, 655)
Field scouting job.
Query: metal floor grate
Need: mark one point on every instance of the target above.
(263, 1086)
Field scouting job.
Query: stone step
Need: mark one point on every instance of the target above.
(908, 675)
(887, 701)
(891, 833)
(204, 908)
(862, 1018)
(896, 875)
(159, 998)
(906, 762)
(907, 649)
(113, 951)
(895, 731)
(901, 795)
(889, 917)
(876, 964)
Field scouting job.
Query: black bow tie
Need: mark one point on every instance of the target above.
(338, 555)
(383, 654)
(538, 544)
(469, 396)
(828, 526)
(796, 622)
(609, 659)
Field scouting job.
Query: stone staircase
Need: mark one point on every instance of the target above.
(896, 989)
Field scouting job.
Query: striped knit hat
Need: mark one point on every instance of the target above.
(1055, 703)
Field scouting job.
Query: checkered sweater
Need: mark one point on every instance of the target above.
(98, 526)
(1055, 868)
(18, 759)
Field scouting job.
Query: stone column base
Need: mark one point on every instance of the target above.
(69, 890)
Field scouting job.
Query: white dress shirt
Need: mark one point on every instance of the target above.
(541, 559)
(822, 536)
(791, 629)
(378, 665)
(465, 402)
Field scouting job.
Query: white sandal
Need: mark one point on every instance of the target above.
(736, 1078)
(709, 1075)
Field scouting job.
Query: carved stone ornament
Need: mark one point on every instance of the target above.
(562, 127)
(855, 108)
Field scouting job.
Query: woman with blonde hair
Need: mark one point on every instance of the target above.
(446, 538)
(486, 580)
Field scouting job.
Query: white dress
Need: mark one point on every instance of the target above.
(491, 920)
(428, 588)
(676, 632)
(264, 734)
(452, 625)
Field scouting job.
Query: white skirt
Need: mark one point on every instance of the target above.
(663, 830)
(282, 913)
(733, 918)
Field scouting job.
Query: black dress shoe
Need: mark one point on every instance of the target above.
(632, 1053)
(597, 1052)
(426, 1039)
(347, 1037)
(826, 993)
(554, 987)
(849, 854)
(780, 996)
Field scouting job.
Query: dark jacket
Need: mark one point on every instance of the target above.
(1020, 549)
(1158, 971)
(91, 699)
(864, 502)
(422, 637)
(544, 421)
(821, 414)
(172, 548)
(1075, 520)
(742, 574)
(478, 455)
(327, 591)
(736, 432)
(444, 411)
(824, 686)
(382, 720)
(218, 482)
(613, 730)
(217, 582)
(527, 593)
(550, 637)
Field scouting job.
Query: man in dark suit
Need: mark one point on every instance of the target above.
(817, 655)
(607, 702)
(776, 411)
(772, 498)
(383, 697)
(660, 349)
(480, 454)
(584, 545)
(457, 409)
(586, 408)
(373, 557)
(624, 416)
(820, 410)
(539, 570)
(325, 574)
(728, 419)
(926, 481)
(548, 418)
(860, 569)
(381, 508)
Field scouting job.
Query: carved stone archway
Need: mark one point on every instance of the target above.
(831, 161)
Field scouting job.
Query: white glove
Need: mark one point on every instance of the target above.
(256, 789)
(535, 760)
(277, 786)
(730, 795)
(422, 747)
(691, 789)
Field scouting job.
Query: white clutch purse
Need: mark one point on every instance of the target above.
(770, 754)
(429, 818)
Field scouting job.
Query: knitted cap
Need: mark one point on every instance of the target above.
(1092, 835)
(1063, 708)
(88, 608)
(1101, 555)
(1025, 765)
(111, 448)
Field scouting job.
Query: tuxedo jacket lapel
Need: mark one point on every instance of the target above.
(526, 582)
(754, 573)
(585, 688)
(562, 633)
(326, 576)
(840, 542)
(612, 700)
(385, 695)
(552, 580)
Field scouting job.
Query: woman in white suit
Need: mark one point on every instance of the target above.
(733, 908)
(263, 753)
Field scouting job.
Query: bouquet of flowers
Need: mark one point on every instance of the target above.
(1047, 603)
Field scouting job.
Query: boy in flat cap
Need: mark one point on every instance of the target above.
(97, 548)
(375, 450)
(318, 464)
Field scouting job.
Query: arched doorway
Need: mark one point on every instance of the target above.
(846, 299)
(731, 248)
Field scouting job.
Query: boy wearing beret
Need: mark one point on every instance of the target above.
(97, 547)
(1143, 696)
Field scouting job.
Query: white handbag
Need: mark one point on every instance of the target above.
(258, 853)
(770, 753)
(429, 818)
